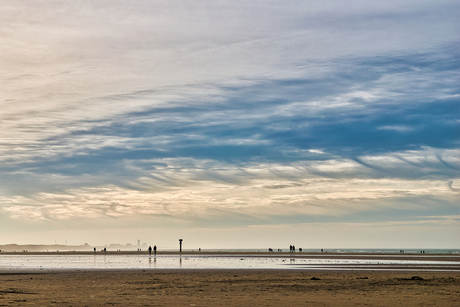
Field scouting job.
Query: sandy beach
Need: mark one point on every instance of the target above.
(231, 287)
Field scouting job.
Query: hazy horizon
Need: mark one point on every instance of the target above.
(243, 123)
(143, 247)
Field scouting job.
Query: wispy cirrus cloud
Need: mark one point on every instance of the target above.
(235, 112)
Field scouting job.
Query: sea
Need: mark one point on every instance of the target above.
(348, 250)
(431, 260)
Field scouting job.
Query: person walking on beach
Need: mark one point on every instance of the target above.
(154, 249)
(150, 250)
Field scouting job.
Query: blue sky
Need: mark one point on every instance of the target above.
(231, 124)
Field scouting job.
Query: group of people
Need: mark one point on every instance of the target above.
(154, 250)
(291, 249)
(119, 250)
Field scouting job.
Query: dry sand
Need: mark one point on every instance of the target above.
(162, 287)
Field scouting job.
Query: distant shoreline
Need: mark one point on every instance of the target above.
(134, 249)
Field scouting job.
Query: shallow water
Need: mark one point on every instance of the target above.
(379, 251)
(101, 261)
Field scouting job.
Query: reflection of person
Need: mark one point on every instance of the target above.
(155, 249)
(150, 250)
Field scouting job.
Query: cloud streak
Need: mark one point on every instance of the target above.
(234, 114)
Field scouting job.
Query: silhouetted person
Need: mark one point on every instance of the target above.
(94, 250)
(293, 248)
(290, 248)
(105, 249)
(150, 250)
(155, 249)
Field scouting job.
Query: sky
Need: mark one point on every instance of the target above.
(230, 124)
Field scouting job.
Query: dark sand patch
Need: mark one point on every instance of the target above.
(230, 288)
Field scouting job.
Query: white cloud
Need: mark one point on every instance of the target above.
(209, 190)
(77, 77)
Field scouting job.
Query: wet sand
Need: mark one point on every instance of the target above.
(231, 287)
(310, 255)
